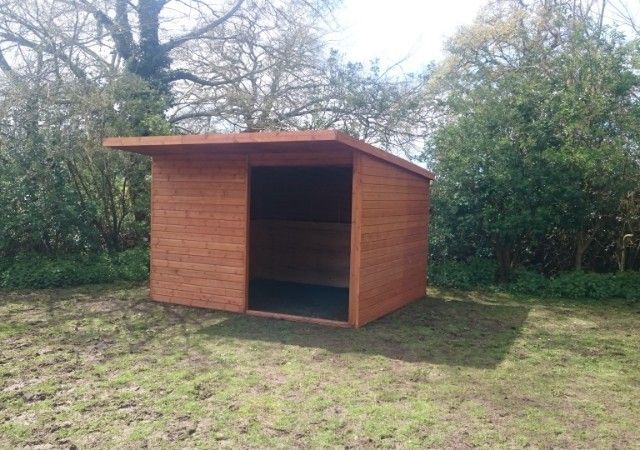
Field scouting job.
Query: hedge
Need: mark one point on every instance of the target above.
(480, 274)
(36, 272)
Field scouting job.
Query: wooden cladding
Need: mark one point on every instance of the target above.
(318, 207)
(389, 252)
(301, 252)
(198, 237)
(300, 223)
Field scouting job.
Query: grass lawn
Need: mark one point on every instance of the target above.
(103, 367)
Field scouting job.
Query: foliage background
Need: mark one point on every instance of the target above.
(530, 123)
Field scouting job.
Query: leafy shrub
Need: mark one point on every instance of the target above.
(34, 271)
(528, 282)
(580, 284)
(463, 275)
(478, 274)
(133, 265)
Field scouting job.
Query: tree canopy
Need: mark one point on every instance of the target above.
(539, 142)
(530, 121)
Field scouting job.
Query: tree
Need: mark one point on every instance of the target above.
(77, 70)
(245, 65)
(65, 193)
(88, 38)
(539, 138)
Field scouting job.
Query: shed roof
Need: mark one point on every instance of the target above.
(278, 140)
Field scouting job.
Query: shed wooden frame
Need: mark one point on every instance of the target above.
(201, 224)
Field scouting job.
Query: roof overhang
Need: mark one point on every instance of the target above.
(265, 141)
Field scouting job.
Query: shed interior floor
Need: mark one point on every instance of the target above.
(299, 299)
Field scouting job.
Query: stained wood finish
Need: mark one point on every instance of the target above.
(389, 239)
(356, 242)
(319, 157)
(201, 229)
(300, 222)
(198, 231)
(314, 320)
(301, 252)
(293, 141)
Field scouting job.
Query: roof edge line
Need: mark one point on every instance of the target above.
(140, 144)
(383, 155)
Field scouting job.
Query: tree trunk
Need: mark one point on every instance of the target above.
(582, 244)
(504, 258)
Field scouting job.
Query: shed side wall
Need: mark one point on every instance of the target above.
(393, 247)
(198, 230)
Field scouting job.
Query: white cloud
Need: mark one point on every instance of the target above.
(412, 30)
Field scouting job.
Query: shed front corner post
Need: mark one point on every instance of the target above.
(356, 239)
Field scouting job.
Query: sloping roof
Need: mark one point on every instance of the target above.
(279, 140)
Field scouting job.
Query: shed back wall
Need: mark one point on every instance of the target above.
(300, 224)
(198, 230)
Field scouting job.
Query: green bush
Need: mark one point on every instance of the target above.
(580, 284)
(480, 273)
(528, 282)
(133, 265)
(35, 272)
(463, 275)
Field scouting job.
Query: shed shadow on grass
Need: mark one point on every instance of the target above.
(457, 332)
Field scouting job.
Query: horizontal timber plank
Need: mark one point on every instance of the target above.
(225, 193)
(185, 237)
(390, 301)
(227, 273)
(386, 275)
(391, 252)
(194, 221)
(395, 196)
(405, 260)
(203, 157)
(196, 281)
(397, 211)
(413, 205)
(201, 259)
(381, 219)
(200, 289)
(388, 239)
(225, 233)
(170, 179)
(193, 207)
(161, 272)
(176, 297)
(314, 320)
(377, 189)
(208, 185)
(170, 168)
(374, 182)
(385, 257)
(213, 254)
(197, 243)
(204, 201)
(403, 280)
(374, 311)
(200, 215)
(398, 227)
(407, 287)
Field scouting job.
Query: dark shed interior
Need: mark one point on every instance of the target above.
(300, 241)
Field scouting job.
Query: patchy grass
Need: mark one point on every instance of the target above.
(104, 367)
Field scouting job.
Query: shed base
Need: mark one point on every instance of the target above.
(297, 299)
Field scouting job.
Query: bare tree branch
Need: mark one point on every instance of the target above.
(201, 31)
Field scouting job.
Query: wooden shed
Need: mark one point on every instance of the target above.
(311, 225)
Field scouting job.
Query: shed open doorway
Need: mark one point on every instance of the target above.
(300, 230)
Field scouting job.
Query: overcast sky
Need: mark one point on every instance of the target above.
(392, 30)
(397, 29)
